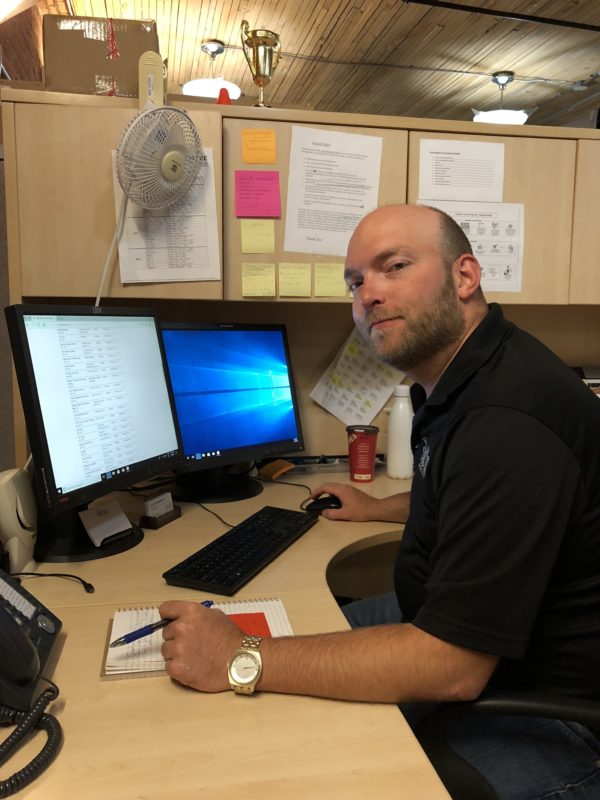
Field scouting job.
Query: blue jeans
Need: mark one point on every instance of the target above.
(522, 758)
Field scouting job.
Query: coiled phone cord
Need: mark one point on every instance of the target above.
(26, 722)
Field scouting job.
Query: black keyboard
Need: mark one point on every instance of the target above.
(227, 563)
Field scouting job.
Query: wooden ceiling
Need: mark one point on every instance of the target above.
(419, 58)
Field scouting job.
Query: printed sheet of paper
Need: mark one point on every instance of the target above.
(356, 385)
(496, 232)
(333, 183)
(461, 170)
(257, 193)
(179, 243)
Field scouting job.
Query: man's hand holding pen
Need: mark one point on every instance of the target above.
(198, 643)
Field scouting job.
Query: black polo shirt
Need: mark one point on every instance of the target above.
(501, 553)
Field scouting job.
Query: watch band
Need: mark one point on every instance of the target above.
(250, 642)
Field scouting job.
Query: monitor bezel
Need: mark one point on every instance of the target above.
(50, 501)
(254, 452)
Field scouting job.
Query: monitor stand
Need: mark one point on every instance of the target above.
(64, 538)
(215, 485)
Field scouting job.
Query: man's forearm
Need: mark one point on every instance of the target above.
(394, 508)
(387, 663)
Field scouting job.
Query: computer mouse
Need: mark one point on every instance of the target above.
(321, 503)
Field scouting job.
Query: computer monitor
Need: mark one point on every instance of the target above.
(236, 404)
(99, 412)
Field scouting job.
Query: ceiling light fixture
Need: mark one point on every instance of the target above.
(211, 87)
(505, 116)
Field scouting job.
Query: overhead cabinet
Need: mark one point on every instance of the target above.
(61, 203)
(540, 174)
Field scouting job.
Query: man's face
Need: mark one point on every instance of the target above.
(405, 301)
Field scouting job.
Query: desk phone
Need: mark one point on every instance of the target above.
(28, 636)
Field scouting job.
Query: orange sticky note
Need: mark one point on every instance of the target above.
(258, 146)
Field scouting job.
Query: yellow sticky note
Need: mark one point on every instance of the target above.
(258, 280)
(259, 146)
(294, 279)
(329, 280)
(258, 235)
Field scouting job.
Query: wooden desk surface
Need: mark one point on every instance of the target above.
(147, 737)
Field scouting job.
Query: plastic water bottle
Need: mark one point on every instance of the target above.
(399, 459)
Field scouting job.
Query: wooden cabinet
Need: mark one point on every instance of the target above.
(540, 173)
(585, 252)
(61, 203)
(61, 207)
(392, 189)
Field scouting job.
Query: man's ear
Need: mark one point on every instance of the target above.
(467, 274)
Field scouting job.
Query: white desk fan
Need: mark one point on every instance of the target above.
(159, 152)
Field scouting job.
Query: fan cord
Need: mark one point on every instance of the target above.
(115, 239)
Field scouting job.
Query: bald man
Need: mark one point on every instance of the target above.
(498, 575)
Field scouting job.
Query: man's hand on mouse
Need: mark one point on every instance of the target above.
(358, 506)
(355, 503)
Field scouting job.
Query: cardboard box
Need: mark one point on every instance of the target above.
(92, 55)
(21, 46)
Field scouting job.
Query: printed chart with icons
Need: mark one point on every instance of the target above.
(356, 384)
(495, 231)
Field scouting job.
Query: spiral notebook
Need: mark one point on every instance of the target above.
(265, 617)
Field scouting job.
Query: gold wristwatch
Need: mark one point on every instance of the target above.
(245, 666)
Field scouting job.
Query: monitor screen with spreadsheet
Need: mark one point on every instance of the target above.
(97, 401)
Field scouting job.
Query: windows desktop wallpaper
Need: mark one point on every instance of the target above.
(231, 387)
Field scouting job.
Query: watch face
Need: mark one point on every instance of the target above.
(245, 667)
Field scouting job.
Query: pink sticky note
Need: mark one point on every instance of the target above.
(257, 193)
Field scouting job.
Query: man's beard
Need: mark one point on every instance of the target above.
(424, 336)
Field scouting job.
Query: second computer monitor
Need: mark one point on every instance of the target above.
(236, 404)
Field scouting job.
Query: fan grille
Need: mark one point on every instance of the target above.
(145, 145)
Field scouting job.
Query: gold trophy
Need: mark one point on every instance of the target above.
(262, 50)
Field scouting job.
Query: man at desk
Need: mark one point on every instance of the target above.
(498, 575)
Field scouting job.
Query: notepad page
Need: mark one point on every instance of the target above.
(144, 655)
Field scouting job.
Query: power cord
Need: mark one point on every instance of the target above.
(89, 587)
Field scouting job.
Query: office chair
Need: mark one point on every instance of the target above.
(463, 781)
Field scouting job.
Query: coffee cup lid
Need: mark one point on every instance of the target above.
(362, 428)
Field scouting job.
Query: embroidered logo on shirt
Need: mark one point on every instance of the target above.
(424, 457)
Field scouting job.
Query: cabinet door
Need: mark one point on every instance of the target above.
(65, 202)
(392, 189)
(539, 173)
(585, 253)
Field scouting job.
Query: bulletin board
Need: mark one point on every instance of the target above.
(277, 274)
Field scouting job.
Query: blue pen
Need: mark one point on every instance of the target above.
(133, 636)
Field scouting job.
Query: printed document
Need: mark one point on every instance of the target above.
(451, 169)
(178, 243)
(356, 385)
(496, 234)
(333, 183)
